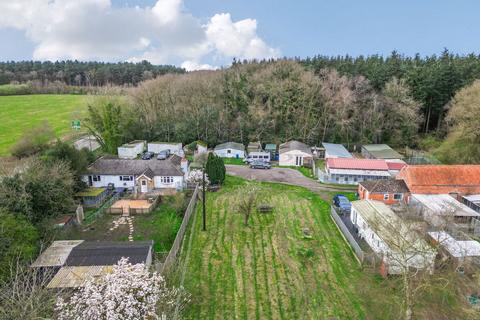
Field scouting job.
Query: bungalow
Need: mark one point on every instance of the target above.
(391, 238)
(131, 150)
(139, 175)
(456, 180)
(380, 151)
(441, 210)
(78, 260)
(230, 150)
(352, 171)
(295, 153)
(174, 147)
(254, 147)
(333, 150)
(389, 191)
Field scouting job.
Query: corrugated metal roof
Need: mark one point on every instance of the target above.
(270, 146)
(375, 173)
(73, 277)
(56, 254)
(382, 151)
(388, 226)
(457, 248)
(443, 204)
(357, 164)
(336, 150)
(475, 198)
(396, 165)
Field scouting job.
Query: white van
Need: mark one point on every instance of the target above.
(263, 156)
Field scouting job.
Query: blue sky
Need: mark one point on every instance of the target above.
(195, 32)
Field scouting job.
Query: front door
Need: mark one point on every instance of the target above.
(298, 161)
(144, 187)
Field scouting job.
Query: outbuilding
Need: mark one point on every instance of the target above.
(352, 171)
(174, 147)
(333, 150)
(295, 153)
(272, 149)
(131, 150)
(380, 151)
(230, 150)
(254, 147)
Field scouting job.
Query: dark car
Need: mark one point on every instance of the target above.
(342, 202)
(147, 155)
(257, 164)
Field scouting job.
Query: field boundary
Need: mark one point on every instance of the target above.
(352, 244)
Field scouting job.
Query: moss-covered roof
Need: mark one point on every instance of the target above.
(90, 192)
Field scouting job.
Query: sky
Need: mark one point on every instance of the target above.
(207, 34)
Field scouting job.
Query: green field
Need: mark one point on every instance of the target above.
(19, 113)
(270, 270)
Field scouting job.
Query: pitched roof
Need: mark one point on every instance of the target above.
(385, 186)
(294, 145)
(106, 253)
(382, 151)
(467, 176)
(443, 204)
(56, 254)
(396, 165)
(357, 164)
(72, 277)
(270, 146)
(105, 166)
(230, 145)
(336, 150)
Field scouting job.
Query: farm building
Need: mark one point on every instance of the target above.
(139, 175)
(391, 238)
(472, 201)
(456, 180)
(352, 171)
(380, 151)
(272, 149)
(174, 147)
(389, 191)
(79, 260)
(254, 147)
(131, 150)
(333, 150)
(442, 209)
(295, 153)
(230, 150)
(463, 250)
(92, 197)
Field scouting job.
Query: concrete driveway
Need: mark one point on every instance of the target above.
(282, 175)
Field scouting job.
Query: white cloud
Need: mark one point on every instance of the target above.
(164, 33)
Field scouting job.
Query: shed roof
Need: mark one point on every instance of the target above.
(394, 231)
(90, 192)
(357, 164)
(457, 248)
(444, 204)
(56, 254)
(230, 145)
(336, 150)
(105, 166)
(385, 186)
(270, 146)
(73, 277)
(475, 198)
(105, 253)
(382, 151)
(294, 145)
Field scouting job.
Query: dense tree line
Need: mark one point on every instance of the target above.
(76, 73)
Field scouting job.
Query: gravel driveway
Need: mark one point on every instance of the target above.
(282, 175)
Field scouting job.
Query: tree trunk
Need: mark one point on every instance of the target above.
(408, 299)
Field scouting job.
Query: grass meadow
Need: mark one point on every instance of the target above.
(19, 113)
(270, 269)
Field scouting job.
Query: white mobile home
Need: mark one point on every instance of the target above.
(391, 238)
(295, 153)
(230, 150)
(174, 147)
(131, 150)
(264, 156)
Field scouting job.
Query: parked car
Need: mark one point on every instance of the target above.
(258, 164)
(342, 202)
(163, 155)
(147, 155)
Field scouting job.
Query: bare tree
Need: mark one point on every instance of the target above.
(247, 201)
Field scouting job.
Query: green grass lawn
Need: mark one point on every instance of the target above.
(19, 113)
(270, 270)
(236, 161)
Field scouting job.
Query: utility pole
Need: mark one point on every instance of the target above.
(203, 200)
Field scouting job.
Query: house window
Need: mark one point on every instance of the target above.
(126, 178)
(229, 151)
(397, 196)
(96, 178)
(166, 179)
(385, 196)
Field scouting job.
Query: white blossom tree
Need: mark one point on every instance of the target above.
(128, 292)
(196, 176)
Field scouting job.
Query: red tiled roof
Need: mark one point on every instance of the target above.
(357, 164)
(442, 178)
(395, 165)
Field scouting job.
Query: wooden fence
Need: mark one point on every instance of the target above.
(177, 244)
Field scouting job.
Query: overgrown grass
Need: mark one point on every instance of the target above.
(270, 270)
(19, 113)
(236, 161)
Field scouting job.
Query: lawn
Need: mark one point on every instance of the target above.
(237, 161)
(19, 113)
(270, 270)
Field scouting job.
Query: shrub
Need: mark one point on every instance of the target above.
(33, 141)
